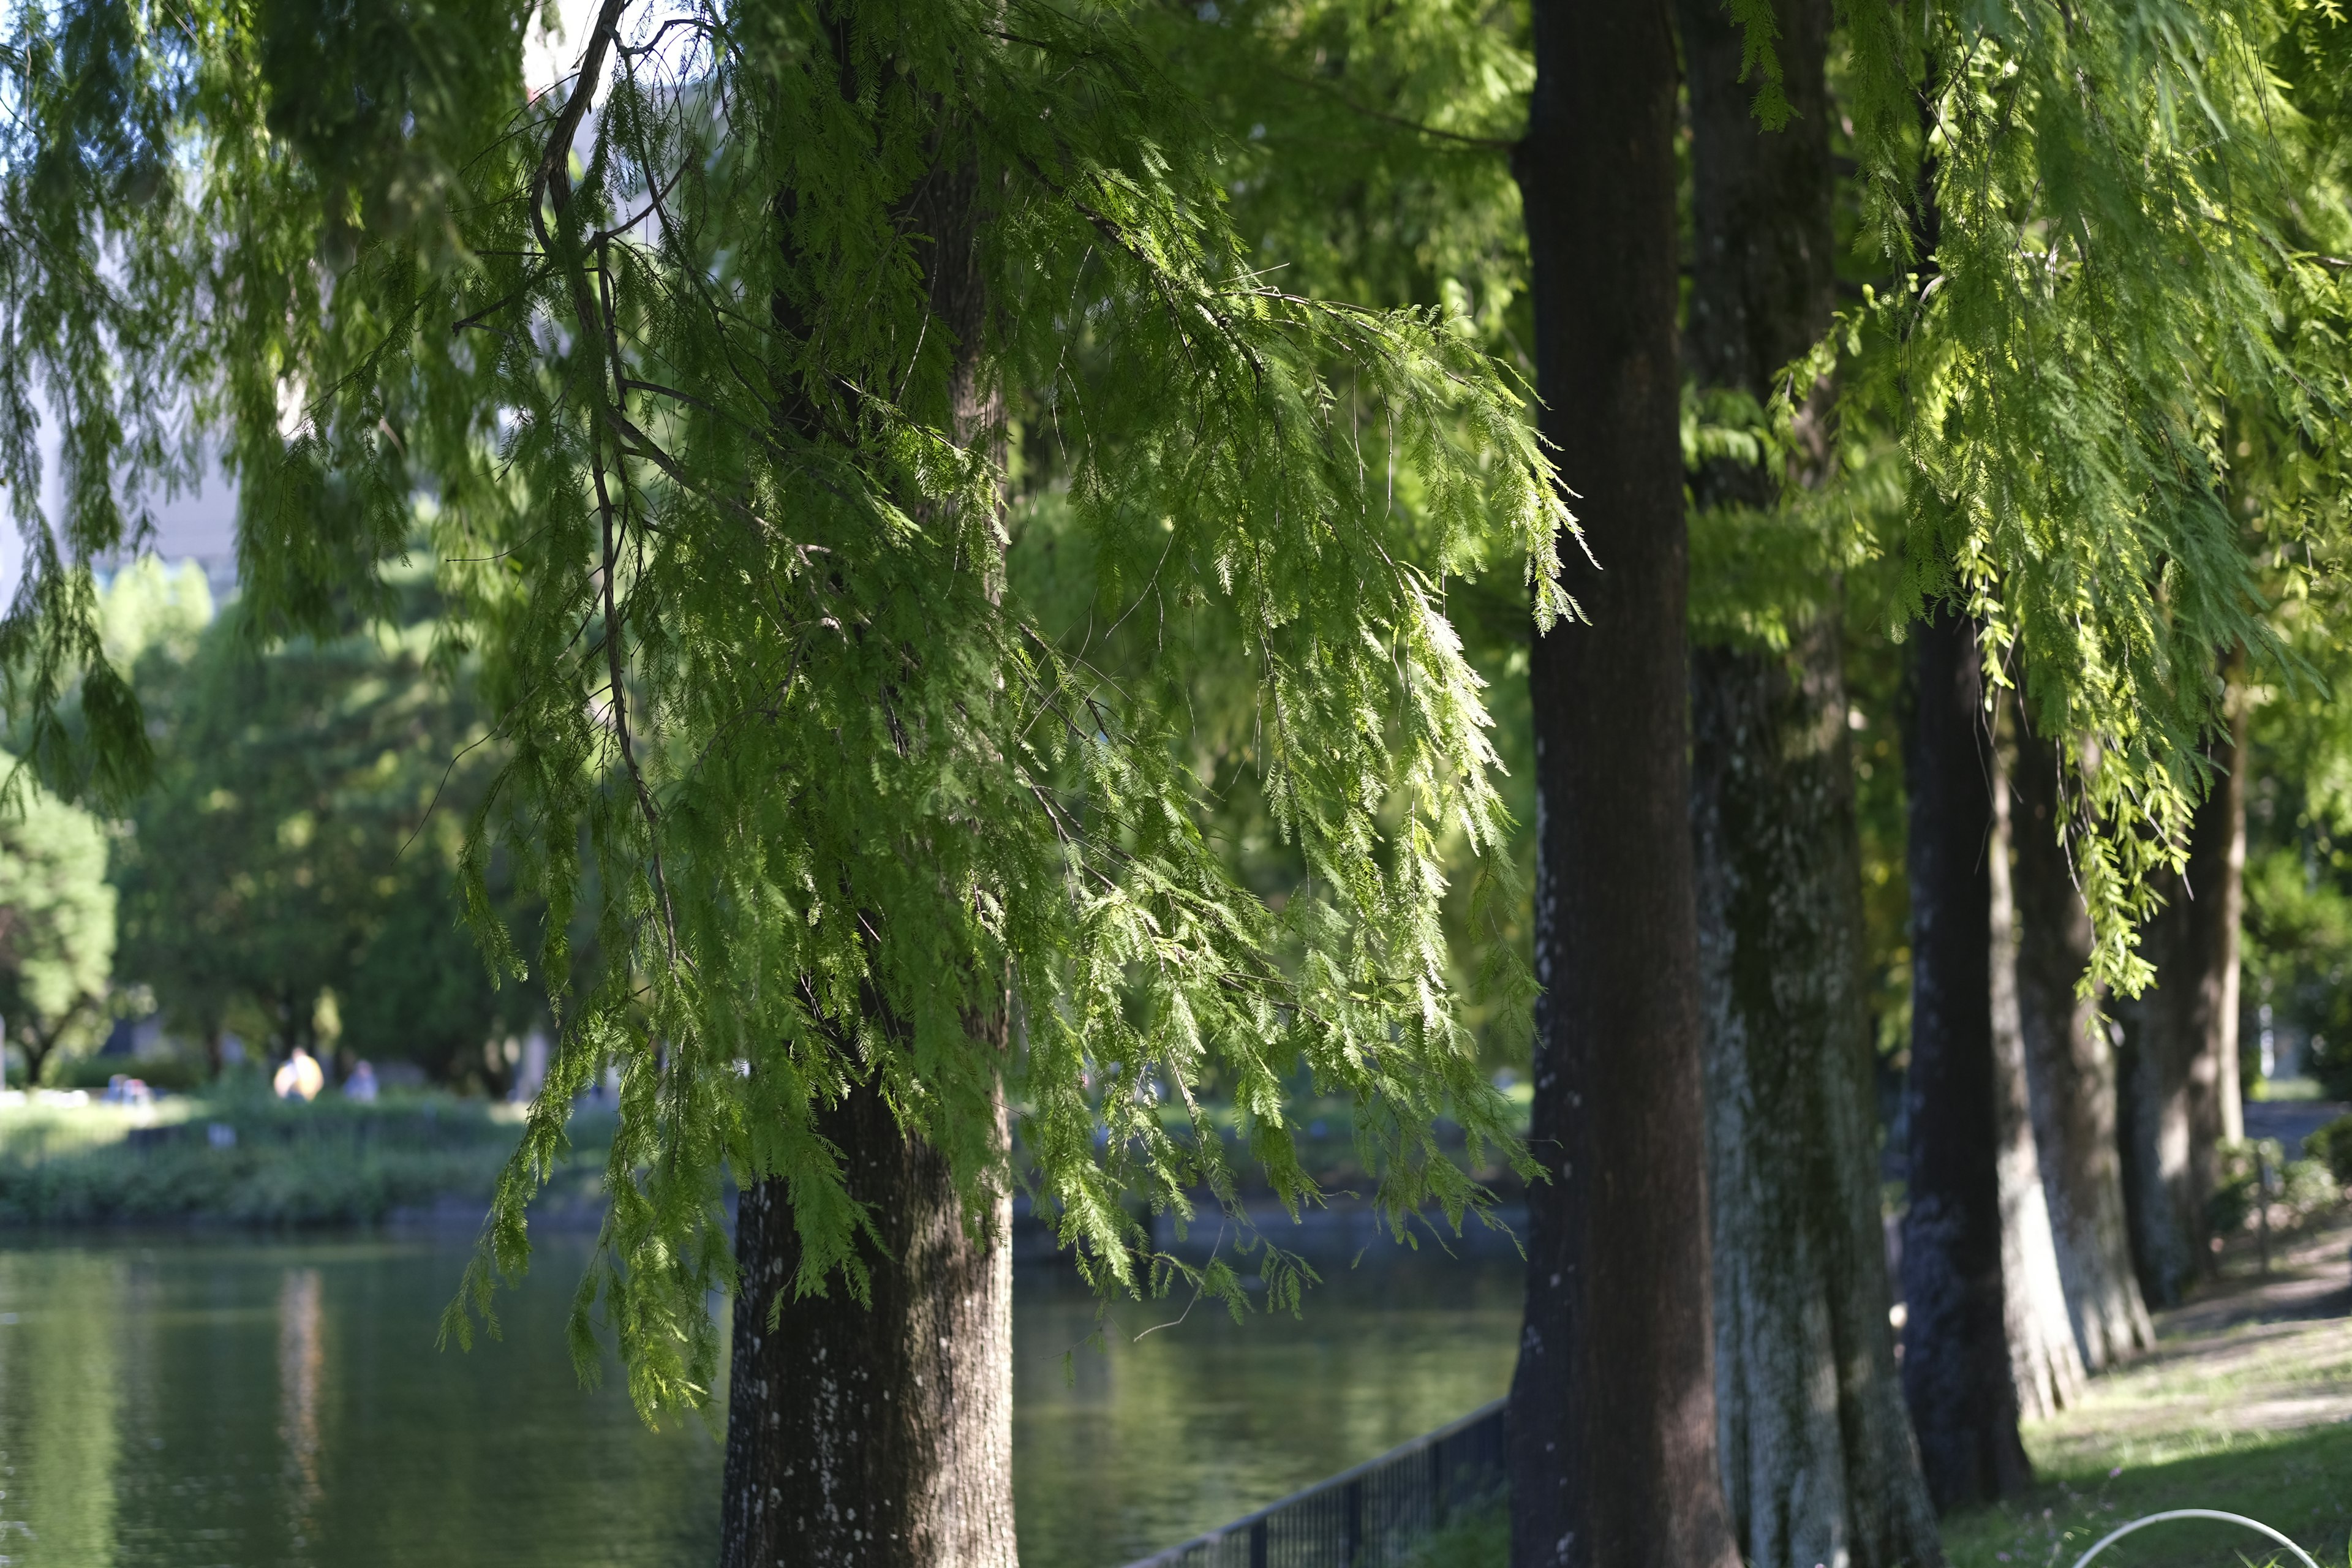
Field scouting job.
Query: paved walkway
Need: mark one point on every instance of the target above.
(2291, 1121)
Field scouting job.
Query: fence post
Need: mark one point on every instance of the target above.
(1351, 1524)
(1258, 1544)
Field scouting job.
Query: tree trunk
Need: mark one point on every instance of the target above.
(875, 1435)
(2043, 1359)
(1818, 1460)
(2071, 1067)
(2182, 1068)
(36, 1048)
(1612, 1408)
(1955, 1375)
(879, 1434)
(1818, 1457)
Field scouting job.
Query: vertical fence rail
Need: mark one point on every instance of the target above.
(1369, 1516)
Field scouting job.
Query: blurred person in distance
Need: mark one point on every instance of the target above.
(299, 1075)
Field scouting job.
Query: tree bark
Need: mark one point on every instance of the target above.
(1612, 1430)
(1818, 1459)
(2043, 1361)
(2070, 1069)
(879, 1434)
(1819, 1462)
(2182, 1068)
(873, 1435)
(1956, 1373)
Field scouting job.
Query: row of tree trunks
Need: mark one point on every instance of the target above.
(1819, 1464)
(1613, 1427)
(881, 1434)
(2045, 1361)
(2070, 1067)
(2180, 1065)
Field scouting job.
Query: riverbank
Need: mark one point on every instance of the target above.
(430, 1159)
(251, 1160)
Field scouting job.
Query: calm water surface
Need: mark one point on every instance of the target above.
(210, 1400)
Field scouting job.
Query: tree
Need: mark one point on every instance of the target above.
(56, 926)
(1801, 1291)
(708, 424)
(2071, 1070)
(1613, 1448)
(2181, 1074)
(2043, 1360)
(1957, 1372)
(302, 837)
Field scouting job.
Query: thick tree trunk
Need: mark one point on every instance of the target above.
(2182, 1067)
(1819, 1464)
(873, 1435)
(1956, 1373)
(2043, 1359)
(1818, 1457)
(879, 1434)
(1612, 1409)
(2071, 1067)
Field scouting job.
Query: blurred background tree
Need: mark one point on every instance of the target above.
(302, 836)
(56, 929)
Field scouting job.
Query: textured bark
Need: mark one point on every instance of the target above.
(1818, 1460)
(2182, 1067)
(1613, 1407)
(880, 1435)
(2043, 1359)
(1819, 1463)
(2070, 1067)
(1955, 1375)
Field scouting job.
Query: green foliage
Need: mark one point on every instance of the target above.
(2300, 1191)
(2126, 200)
(1367, 159)
(2334, 1145)
(303, 834)
(713, 500)
(169, 1075)
(1477, 1536)
(56, 924)
(2297, 945)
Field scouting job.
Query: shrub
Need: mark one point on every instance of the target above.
(2303, 1188)
(168, 1075)
(2333, 1144)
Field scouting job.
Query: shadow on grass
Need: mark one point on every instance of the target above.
(2299, 1484)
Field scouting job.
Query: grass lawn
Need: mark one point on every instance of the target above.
(250, 1159)
(2245, 1406)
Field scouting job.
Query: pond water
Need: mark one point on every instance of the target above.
(195, 1401)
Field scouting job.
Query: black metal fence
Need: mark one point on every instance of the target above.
(1369, 1516)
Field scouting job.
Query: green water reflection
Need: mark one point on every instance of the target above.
(210, 1400)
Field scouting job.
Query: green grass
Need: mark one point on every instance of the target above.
(332, 1163)
(1478, 1536)
(2246, 1407)
(2299, 1484)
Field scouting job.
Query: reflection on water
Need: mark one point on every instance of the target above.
(1152, 1439)
(301, 1362)
(192, 1400)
